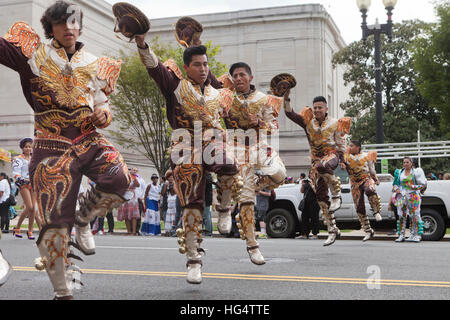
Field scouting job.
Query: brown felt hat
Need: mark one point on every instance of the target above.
(281, 83)
(188, 32)
(130, 20)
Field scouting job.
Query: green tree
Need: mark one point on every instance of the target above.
(139, 108)
(432, 63)
(405, 109)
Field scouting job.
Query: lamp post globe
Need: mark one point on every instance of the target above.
(363, 4)
(389, 3)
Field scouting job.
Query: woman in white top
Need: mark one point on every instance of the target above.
(152, 220)
(5, 191)
(22, 177)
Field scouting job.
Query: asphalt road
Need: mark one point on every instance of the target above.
(130, 268)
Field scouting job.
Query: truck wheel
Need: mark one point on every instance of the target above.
(433, 225)
(280, 224)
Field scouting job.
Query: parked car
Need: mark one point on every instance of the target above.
(284, 219)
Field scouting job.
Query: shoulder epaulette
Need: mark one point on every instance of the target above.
(276, 103)
(174, 67)
(226, 81)
(344, 125)
(372, 156)
(307, 114)
(23, 36)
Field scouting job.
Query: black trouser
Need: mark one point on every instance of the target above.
(110, 219)
(310, 221)
(4, 216)
(141, 212)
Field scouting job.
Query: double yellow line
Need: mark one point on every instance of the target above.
(381, 282)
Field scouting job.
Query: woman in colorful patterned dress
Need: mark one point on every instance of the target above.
(409, 185)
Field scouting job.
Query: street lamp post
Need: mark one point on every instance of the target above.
(377, 30)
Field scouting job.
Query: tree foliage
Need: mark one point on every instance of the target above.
(432, 62)
(405, 109)
(139, 108)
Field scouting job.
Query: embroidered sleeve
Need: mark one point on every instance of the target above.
(371, 159)
(109, 70)
(23, 36)
(226, 99)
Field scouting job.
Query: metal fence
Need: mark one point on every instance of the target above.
(430, 149)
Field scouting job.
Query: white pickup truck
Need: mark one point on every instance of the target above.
(284, 219)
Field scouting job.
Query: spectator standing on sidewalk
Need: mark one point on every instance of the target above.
(5, 191)
(152, 220)
(169, 223)
(262, 205)
(140, 195)
(129, 211)
(310, 212)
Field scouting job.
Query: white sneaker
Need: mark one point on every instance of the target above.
(5, 270)
(194, 273)
(378, 217)
(100, 233)
(401, 238)
(255, 256)
(335, 204)
(369, 235)
(332, 236)
(85, 239)
(224, 222)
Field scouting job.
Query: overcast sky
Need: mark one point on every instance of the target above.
(345, 13)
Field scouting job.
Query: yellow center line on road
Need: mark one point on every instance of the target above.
(386, 282)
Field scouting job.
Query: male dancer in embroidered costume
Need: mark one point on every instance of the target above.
(260, 166)
(189, 101)
(68, 90)
(363, 178)
(326, 137)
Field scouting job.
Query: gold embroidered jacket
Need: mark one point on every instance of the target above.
(186, 101)
(361, 166)
(326, 138)
(265, 108)
(62, 93)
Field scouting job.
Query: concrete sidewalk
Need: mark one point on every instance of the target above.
(351, 235)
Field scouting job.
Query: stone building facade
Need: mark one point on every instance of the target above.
(299, 39)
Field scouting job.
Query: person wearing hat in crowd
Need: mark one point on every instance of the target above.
(68, 90)
(363, 178)
(326, 137)
(22, 177)
(252, 110)
(191, 102)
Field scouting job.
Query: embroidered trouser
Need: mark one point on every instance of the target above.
(190, 177)
(320, 168)
(360, 188)
(321, 175)
(56, 175)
